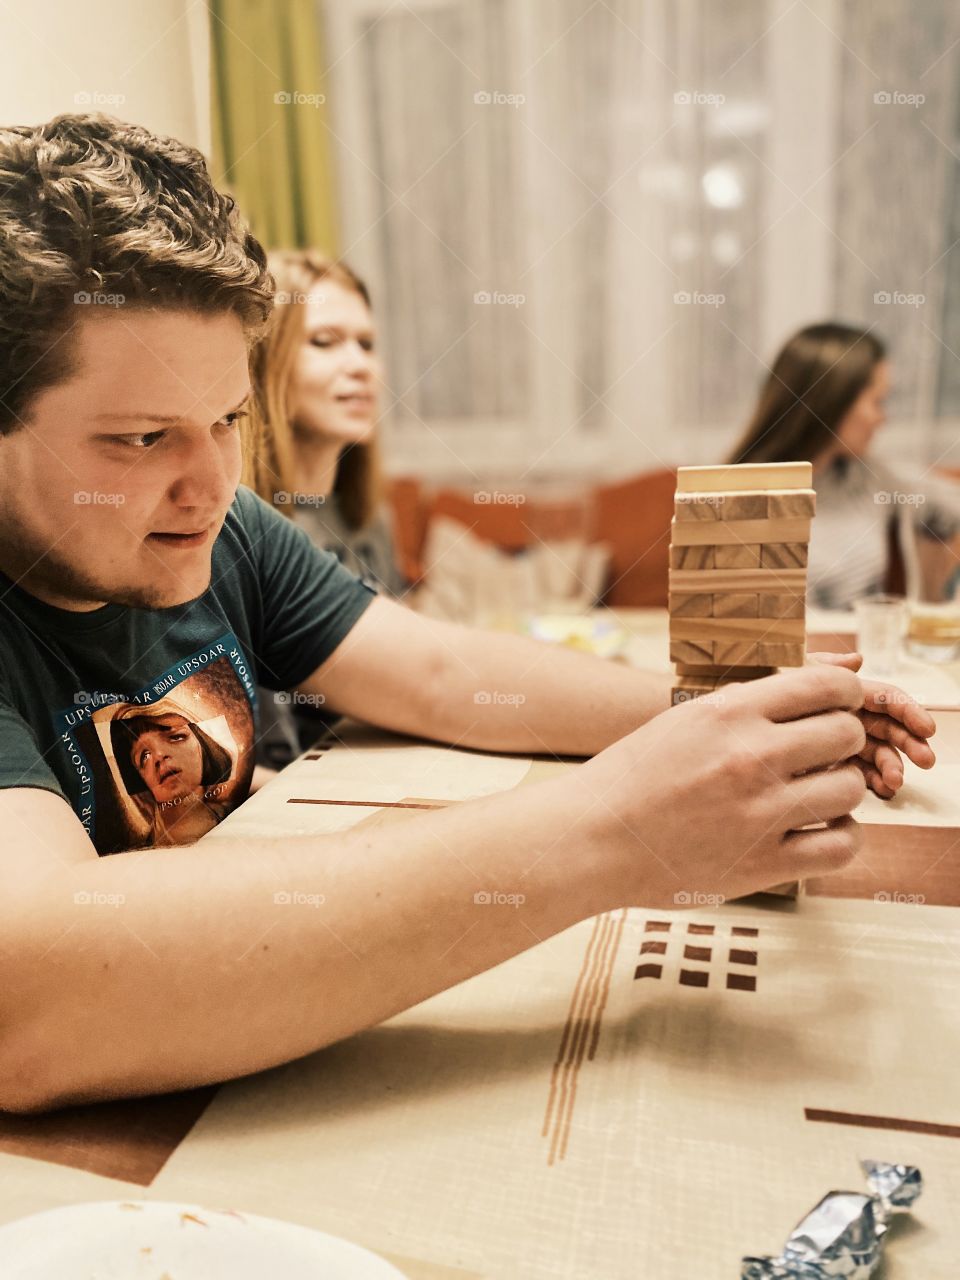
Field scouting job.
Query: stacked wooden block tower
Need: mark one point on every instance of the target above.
(738, 573)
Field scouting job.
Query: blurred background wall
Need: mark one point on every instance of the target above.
(587, 226)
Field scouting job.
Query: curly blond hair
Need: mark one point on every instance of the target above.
(92, 205)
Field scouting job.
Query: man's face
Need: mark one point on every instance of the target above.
(118, 484)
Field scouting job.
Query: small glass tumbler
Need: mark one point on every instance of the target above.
(881, 622)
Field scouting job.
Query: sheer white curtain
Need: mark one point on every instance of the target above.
(589, 225)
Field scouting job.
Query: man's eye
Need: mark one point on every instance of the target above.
(144, 441)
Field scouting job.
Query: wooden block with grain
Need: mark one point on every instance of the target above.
(691, 651)
(783, 555)
(738, 556)
(744, 652)
(715, 580)
(780, 605)
(697, 506)
(735, 604)
(768, 630)
(789, 504)
(716, 533)
(743, 506)
(791, 654)
(691, 557)
(691, 606)
(740, 477)
(726, 673)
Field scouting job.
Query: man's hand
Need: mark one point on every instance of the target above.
(894, 722)
(711, 796)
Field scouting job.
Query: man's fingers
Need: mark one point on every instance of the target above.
(885, 729)
(802, 692)
(874, 780)
(886, 758)
(890, 701)
(822, 851)
(852, 661)
(817, 742)
(821, 797)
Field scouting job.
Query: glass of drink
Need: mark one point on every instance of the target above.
(934, 630)
(881, 622)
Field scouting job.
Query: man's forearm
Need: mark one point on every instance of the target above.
(511, 693)
(159, 970)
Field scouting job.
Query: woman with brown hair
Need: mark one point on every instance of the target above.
(823, 402)
(313, 452)
(317, 381)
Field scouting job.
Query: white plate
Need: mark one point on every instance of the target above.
(151, 1240)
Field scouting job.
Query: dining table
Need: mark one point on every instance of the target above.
(649, 1095)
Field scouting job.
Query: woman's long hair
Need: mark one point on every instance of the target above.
(269, 447)
(814, 381)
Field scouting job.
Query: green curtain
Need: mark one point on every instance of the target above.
(271, 145)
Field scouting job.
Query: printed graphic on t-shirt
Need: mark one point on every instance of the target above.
(165, 763)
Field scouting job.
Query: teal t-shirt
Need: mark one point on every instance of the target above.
(145, 720)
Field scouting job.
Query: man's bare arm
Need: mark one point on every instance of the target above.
(488, 690)
(163, 969)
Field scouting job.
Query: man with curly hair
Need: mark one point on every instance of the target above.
(133, 563)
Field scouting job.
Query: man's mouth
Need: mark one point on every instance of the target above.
(186, 539)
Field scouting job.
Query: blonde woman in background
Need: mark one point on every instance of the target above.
(317, 378)
(313, 454)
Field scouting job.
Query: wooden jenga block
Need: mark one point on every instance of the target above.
(717, 580)
(737, 478)
(691, 651)
(743, 506)
(738, 556)
(783, 555)
(782, 655)
(691, 557)
(786, 504)
(727, 674)
(685, 533)
(691, 606)
(767, 630)
(698, 506)
(736, 605)
(778, 606)
(736, 652)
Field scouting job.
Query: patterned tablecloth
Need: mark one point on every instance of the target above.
(648, 1094)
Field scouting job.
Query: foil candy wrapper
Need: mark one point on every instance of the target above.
(843, 1236)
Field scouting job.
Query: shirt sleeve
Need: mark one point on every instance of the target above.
(21, 764)
(310, 601)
